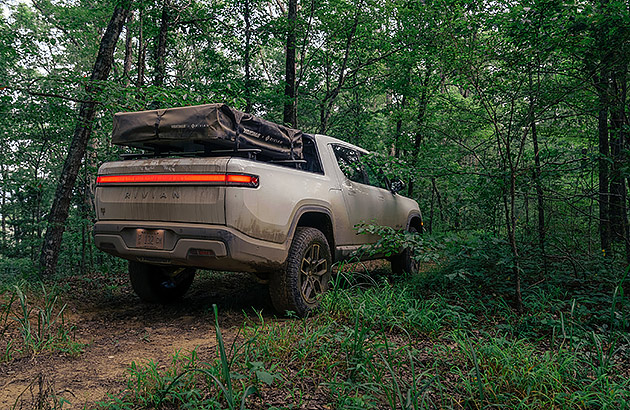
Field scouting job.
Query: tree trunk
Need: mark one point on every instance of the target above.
(247, 62)
(399, 124)
(510, 217)
(3, 203)
(323, 118)
(601, 86)
(128, 51)
(627, 201)
(87, 110)
(290, 104)
(430, 221)
(160, 49)
(540, 200)
(617, 204)
(326, 105)
(142, 50)
(422, 109)
(439, 199)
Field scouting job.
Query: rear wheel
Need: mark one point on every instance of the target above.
(306, 276)
(404, 262)
(159, 284)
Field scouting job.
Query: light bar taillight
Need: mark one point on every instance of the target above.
(204, 179)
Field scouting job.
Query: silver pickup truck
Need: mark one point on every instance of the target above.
(286, 221)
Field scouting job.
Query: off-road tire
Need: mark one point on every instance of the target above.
(159, 284)
(305, 278)
(403, 262)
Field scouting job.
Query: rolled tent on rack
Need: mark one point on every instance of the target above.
(203, 127)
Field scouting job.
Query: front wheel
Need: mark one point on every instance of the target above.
(404, 261)
(159, 284)
(306, 276)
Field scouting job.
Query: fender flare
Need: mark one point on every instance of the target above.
(315, 209)
(412, 215)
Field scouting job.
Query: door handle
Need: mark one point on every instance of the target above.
(350, 188)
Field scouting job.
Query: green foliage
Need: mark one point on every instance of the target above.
(447, 95)
(513, 373)
(392, 241)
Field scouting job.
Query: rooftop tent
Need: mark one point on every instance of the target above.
(205, 128)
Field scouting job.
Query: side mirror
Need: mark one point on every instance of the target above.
(397, 186)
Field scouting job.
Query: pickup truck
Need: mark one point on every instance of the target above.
(286, 221)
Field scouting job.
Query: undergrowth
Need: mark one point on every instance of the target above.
(377, 344)
(32, 320)
(447, 337)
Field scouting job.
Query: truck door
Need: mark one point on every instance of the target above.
(394, 209)
(364, 203)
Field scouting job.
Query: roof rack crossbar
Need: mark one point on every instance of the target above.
(248, 152)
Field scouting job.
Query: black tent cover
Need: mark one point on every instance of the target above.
(203, 127)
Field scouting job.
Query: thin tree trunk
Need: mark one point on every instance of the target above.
(290, 104)
(87, 111)
(247, 62)
(516, 269)
(326, 105)
(620, 156)
(439, 199)
(604, 152)
(160, 49)
(626, 199)
(431, 211)
(16, 227)
(3, 203)
(510, 224)
(399, 125)
(128, 51)
(356, 111)
(142, 50)
(617, 210)
(422, 109)
(509, 202)
(526, 203)
(537, 179)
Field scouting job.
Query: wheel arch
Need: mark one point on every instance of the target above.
(415, 221)
(318, 218)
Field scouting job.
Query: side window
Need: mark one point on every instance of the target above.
(349, 163)
(310, 155)
(375, 176)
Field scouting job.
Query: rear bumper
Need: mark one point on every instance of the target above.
(196, 245)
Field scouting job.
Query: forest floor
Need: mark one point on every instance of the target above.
(116, 329)
(432, 340)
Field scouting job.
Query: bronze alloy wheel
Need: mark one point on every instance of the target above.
(313, 271)
(299, 287)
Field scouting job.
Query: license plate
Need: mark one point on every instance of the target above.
(150, 238)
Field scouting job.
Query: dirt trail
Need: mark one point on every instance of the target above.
(119, 329)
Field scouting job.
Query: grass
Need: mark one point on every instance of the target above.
(191, 383)
(446, 338)
(32, 320)
(404, 346)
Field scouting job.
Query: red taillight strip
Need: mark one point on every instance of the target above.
(153, 178)
(241, 179)
(220, 179)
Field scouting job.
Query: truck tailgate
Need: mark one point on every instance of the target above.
(163, 189)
